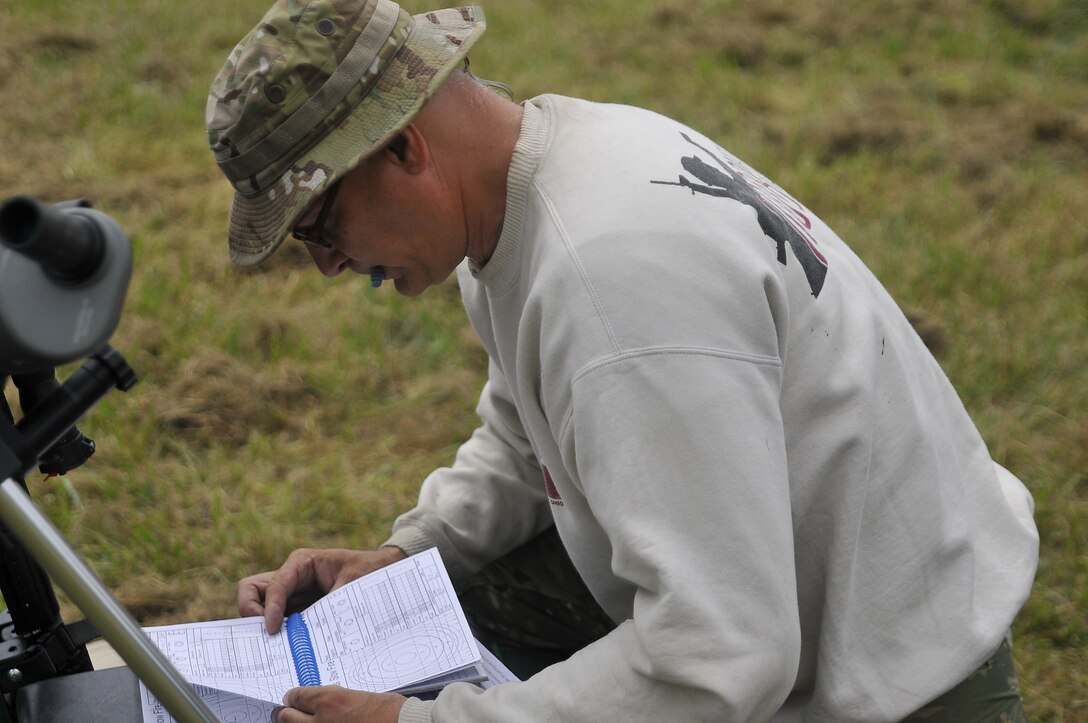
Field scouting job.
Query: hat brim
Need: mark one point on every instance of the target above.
(436, 45)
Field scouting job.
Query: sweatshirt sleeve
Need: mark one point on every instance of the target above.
(489, 501)
(699, 523)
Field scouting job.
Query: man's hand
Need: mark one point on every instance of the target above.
(333, 704)
(305, 577)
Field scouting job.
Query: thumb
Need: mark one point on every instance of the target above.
(303, 699)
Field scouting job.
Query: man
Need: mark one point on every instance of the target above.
(700, 402)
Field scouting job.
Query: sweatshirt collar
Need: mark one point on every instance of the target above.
(501, 270)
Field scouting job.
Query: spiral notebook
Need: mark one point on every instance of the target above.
(399, 628)
(302, 650)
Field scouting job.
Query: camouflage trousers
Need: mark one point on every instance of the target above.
(991, 693)
(532, 609)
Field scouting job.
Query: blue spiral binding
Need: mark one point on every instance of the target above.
(302, 650)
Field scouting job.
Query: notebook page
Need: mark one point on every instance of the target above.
(392, 628)
(230, 655)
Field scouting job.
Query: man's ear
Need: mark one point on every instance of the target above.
(409, 150)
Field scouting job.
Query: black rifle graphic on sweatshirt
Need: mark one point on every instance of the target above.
(772, 220)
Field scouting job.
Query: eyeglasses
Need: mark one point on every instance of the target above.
(312, 234)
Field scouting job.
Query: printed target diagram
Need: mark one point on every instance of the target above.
(396, 630)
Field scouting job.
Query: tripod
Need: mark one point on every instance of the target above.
(63, 274)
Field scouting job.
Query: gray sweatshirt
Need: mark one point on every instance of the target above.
(758, 468)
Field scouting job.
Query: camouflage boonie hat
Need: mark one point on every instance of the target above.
(314, 89)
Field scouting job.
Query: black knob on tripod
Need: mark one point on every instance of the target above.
(73, 448)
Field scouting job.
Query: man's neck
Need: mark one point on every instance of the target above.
(498, 138)
(479, 130)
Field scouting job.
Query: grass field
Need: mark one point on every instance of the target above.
(946, 141)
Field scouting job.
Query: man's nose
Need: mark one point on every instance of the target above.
(329, 261)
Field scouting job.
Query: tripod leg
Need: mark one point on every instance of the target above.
(26, 588)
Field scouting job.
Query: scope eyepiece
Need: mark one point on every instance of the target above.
(64, 270)
(68, 246)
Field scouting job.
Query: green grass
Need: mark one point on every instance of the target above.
(946, 141)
